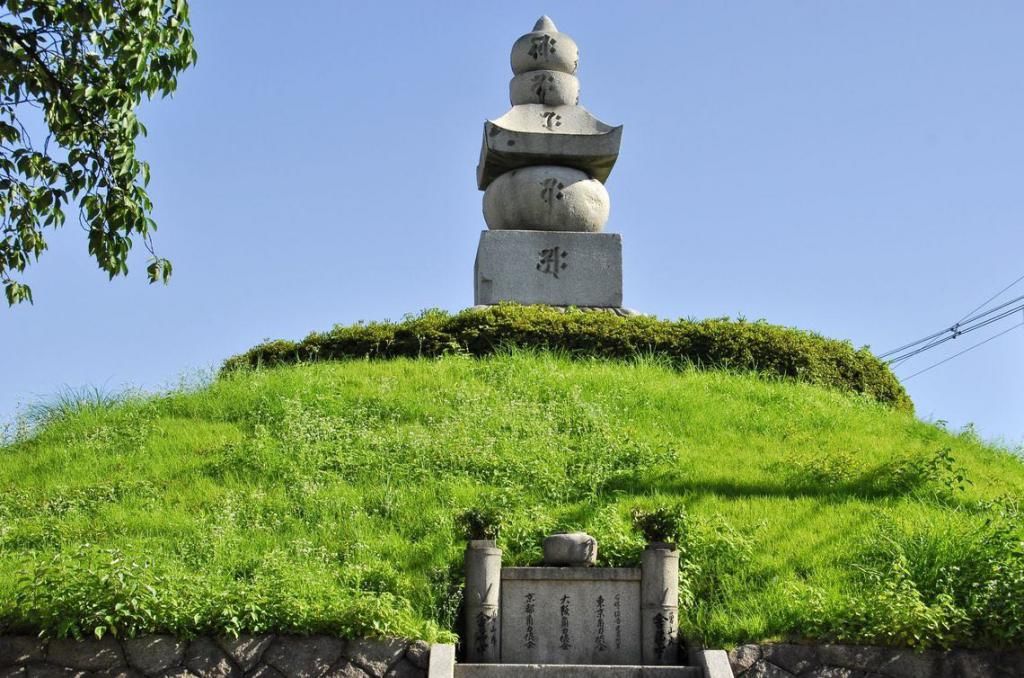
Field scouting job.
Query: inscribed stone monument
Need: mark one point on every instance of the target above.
(542, 169)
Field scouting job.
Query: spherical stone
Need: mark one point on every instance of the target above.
(545, 50)
(550, 88)
(570, 548)
(546, 198)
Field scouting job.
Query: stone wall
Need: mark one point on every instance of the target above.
(265, 656)
(858, 661)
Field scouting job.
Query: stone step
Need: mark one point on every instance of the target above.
(573, 671)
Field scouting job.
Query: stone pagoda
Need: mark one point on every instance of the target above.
(542, 170)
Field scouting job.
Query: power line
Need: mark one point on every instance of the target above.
(957, 331)
(986, 302)
(971, 324)
(954, 329)
(971, 348)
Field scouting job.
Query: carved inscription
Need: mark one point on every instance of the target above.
(551, 190)
(530, 639)
(542, 46)
(663, 627)
(551, 119)
(600, 644)
(579, 621)
(618, 621)
(481, 632)
(541, 84)
(552, 260)
(564, 640)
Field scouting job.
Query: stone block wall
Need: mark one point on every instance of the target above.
(262, 656)
(858, 661)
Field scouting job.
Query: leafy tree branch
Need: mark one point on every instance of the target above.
(81, 68)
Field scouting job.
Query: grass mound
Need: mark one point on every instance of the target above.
(330, 497)
(759, 347)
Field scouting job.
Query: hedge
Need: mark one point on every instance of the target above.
(718, 343)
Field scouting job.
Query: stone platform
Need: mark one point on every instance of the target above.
(573, 671)
(557, 268)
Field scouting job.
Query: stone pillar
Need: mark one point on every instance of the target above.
(482, 598)
(659, 604)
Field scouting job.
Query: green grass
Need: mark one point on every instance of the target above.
(326, 497)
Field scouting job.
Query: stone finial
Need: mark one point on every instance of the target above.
(573, 549)
(545, 24)
(545, 48)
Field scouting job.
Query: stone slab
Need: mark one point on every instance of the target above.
(571, 573)
(569, 618)
(573, 671)
(592, 149)
(712, 663)
(558, 268)
(442, 661)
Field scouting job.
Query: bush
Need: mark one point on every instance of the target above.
(665, 524)
(923, 587)
(717, 343)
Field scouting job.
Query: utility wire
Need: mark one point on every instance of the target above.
(957, 331)
(971, 348)
(955, 328)
(971, 324)
(997, 294)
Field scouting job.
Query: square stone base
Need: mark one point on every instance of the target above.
(558, 268)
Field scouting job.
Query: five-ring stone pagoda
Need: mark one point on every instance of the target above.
(542, 169)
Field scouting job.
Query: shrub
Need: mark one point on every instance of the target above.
(717, 343)
(665, 524)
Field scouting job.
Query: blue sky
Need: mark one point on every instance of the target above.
(855, 168)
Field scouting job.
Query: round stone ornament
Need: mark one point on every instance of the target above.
(573, 549)
(550, 88)
(546, 198)
(545, 48)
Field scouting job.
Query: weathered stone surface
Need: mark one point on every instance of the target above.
(442, 661)
(832, 672)
(20, 650)
(546, 198)
(418, 653)
(573, 671)
(87, 655)
(549, 88)
(304, 657)
(546, 267)
(863, 657)
(975, 665)
(571, 548)
(405, 669)
(375, 656)
(764, 669)
(713, 663)
(345, 669)
(205, 658)
(743, 657)
(659, 603)
(582, 640)
(794, 658)
(482, 597)
(176, 672)
(246, 650)
(153, 654)
(545, 47)
(51, 671)
(909, 664)
(123, 672)
(265, 671)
